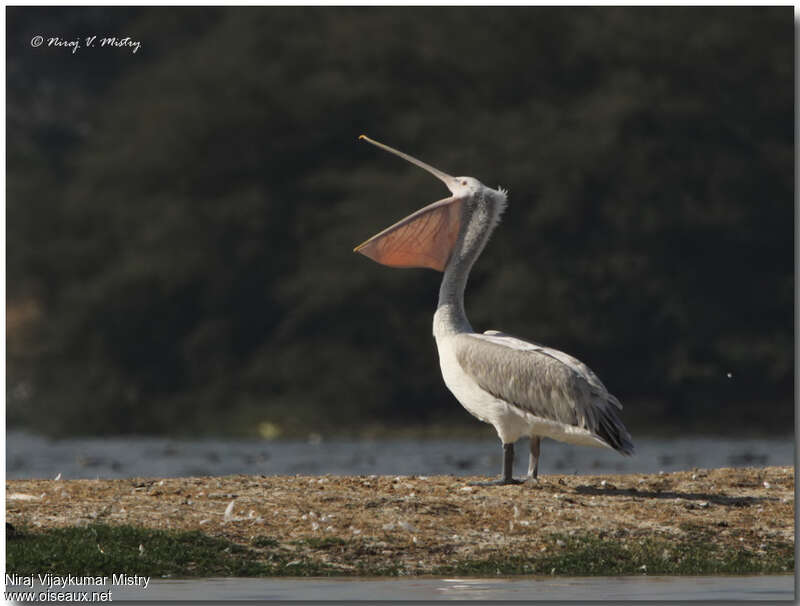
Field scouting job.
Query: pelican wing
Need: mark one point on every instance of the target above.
(544, 382)
(576, 365)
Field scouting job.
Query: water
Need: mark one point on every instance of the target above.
(32, 456)
(547, 589)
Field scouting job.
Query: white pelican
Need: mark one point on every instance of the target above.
(520, 387)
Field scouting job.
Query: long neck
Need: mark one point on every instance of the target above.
(450, 317)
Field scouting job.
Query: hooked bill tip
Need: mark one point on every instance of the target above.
(362, 137)
(360, 246)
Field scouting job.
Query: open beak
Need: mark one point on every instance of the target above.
(449, 181)
(424, 238)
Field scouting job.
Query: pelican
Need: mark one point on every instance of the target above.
(520, 387)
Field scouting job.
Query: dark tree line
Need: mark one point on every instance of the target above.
(180, 221)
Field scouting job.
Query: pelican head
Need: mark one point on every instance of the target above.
(430, 236)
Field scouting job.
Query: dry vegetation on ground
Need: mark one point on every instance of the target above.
(425, 524)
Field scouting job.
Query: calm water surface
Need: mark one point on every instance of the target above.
(32, 456)
(725, 589)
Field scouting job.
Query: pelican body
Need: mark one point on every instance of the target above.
(520, 387)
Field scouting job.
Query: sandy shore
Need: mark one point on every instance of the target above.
(424, 523)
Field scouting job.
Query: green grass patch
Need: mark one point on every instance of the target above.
(104, 550)
(322, 542)
(591, 556)
(264, 541)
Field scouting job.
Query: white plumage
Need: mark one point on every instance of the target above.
(527, 390)
(521, 388)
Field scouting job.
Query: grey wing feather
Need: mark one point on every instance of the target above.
(545, 382)
(576, 365)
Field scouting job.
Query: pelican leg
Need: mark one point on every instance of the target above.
(508, 463)
(508, 468)
(533, 463)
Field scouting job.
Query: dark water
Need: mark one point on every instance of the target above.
(31, 456)
(546, 589)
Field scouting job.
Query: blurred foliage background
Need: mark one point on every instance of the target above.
(181, 219)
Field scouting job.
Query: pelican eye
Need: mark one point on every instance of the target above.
(464, 182)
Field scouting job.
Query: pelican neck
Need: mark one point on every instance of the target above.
(450, 317)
